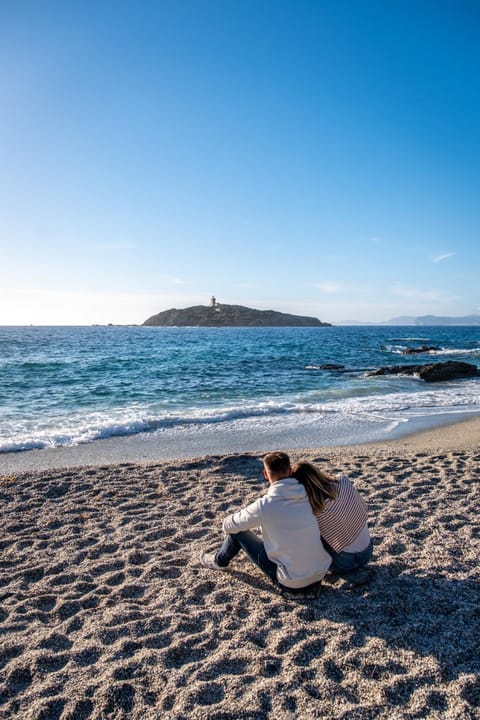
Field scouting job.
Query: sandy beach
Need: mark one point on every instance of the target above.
(106, 612)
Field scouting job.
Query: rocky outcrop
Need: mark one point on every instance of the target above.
(433, 372)
(230, 316)
(422, 349)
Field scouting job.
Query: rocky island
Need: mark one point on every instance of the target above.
(219, 315)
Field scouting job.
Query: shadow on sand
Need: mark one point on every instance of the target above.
(429, 615)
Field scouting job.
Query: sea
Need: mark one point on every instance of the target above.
(198, 390)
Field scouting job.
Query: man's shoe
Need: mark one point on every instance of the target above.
(358, 577)
(208, 560)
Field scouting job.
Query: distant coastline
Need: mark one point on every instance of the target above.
(420, 321)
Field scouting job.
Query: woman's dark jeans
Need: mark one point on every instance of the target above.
(344, 563)
(252, 546)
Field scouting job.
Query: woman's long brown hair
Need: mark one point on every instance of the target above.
(320, 486)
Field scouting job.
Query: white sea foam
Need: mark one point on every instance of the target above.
(474, 352)
(410, 339)
(337, 407)
(401, 350)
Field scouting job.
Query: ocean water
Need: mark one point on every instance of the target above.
(63, 386)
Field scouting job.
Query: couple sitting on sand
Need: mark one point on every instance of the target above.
(310, 523)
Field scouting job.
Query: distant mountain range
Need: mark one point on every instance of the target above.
(423, 320)
(220, 315)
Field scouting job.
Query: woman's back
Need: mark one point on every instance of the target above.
(343, 517)
(340, 511)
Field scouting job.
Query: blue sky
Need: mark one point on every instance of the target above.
(321, 158)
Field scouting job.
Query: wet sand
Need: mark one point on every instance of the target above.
(106, 613)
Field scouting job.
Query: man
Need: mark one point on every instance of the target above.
(291, 553)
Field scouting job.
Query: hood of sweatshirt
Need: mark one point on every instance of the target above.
(287, 488)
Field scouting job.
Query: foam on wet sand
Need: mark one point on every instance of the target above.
(106, 612)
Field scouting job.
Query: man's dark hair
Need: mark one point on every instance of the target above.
(277, 462)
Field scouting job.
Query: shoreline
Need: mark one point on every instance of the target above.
(147, 447)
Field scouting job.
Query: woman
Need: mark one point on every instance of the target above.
(342, 518)
(291, 553)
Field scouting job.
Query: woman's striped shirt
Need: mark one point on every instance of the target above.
(344, 517)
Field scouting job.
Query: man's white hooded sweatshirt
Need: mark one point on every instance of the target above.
(290, 532)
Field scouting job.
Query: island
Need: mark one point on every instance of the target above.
(220, 315)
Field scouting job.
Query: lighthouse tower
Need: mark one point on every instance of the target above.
(213, 301)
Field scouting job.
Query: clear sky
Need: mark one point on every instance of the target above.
(317, 157)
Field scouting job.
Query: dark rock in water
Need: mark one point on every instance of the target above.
(433, 372)
(437, 372)
(422, 349)
(330, 366)
(220, 315)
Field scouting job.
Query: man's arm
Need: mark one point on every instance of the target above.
(244, 519)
